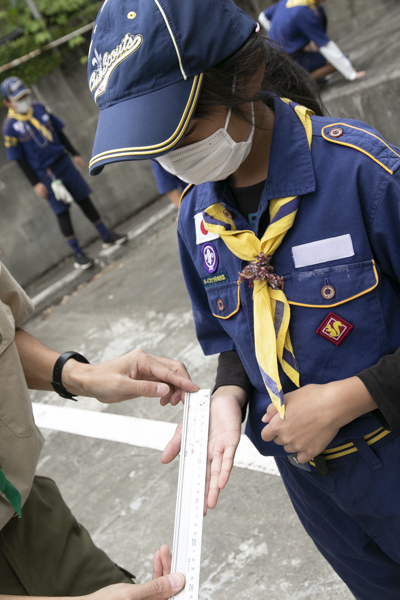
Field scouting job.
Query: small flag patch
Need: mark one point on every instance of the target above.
(202, 235)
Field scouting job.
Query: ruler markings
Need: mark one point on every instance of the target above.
(189, 512)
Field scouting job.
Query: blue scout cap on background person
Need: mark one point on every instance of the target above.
(145, 69)
(13, 88)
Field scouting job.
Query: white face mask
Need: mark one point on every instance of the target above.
(22, 106)
(213, 159)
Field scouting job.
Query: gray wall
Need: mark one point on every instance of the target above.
(30, 240)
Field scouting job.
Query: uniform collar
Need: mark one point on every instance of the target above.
(290, 171)
(20, 117)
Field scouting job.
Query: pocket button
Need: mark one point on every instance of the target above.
(328, 292)
(220, 304)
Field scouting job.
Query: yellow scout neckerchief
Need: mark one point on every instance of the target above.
(292, 3)
(271, 308)
(46, 133)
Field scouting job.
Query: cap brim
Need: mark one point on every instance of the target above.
(145, 127)
(20, 94)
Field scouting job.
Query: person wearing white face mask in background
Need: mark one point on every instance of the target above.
(34, 137)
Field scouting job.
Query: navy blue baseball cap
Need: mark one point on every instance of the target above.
(146, 64)
(13, 88)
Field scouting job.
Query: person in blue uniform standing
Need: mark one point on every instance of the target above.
(299, 27)
(289, 247)
(34, 137)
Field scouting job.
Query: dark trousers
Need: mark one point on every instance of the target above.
(48, 553)
(353, 516)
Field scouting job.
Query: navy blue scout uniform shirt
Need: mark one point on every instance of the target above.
(349, 185)
(23, 140)
(294, 27)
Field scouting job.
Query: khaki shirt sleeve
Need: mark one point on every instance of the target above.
(20, 439)
(12, 294)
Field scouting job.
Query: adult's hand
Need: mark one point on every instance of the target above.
(41, 190)
(79, 162)
(360, 74)
(314, 414)
(162, 586)
(134, 374)
(223, 439)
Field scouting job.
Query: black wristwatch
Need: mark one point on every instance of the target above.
(57, 372)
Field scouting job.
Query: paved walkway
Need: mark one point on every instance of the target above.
(106, 459)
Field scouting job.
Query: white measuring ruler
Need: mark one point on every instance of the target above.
(186, 555)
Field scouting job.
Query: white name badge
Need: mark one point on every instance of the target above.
(202, 235)
(322, 251)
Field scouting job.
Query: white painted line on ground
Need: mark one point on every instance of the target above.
(145, 433)
(132, 234)
(54, 287)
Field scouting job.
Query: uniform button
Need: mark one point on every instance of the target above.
(328, 292)
(336, 132)
(220, 304)
(227, 214)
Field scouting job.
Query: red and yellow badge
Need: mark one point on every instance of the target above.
(334, 329)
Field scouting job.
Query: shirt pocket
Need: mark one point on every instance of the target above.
(348, 291)
(224, 300)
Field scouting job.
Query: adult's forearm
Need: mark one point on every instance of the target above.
(37, 361)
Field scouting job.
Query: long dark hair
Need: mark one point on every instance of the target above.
(228, 82)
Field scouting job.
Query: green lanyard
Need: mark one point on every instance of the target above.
(11, 493)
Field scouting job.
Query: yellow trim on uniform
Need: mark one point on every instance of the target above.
(336, 141)
(350, 448)
(342, 301)
(185, 191)
(172, 141)
(235, 311)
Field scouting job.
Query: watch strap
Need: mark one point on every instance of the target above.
(57, 372)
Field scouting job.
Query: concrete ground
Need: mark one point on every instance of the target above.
(253, 545)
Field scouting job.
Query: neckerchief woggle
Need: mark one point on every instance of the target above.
(10, 492)
(271, 308)
(46, 133)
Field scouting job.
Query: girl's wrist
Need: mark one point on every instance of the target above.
(232, 391)
(350, 399)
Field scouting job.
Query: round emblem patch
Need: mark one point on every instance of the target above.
(210, 257)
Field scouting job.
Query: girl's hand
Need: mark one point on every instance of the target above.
(223, 439)
(314, 414)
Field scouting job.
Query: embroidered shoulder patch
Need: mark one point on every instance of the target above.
(334, 328)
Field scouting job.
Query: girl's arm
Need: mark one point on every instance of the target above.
(383, 382)
(314, 414)
(224, 437)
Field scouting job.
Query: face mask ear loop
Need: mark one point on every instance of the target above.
(230, 110)
(228, 119)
